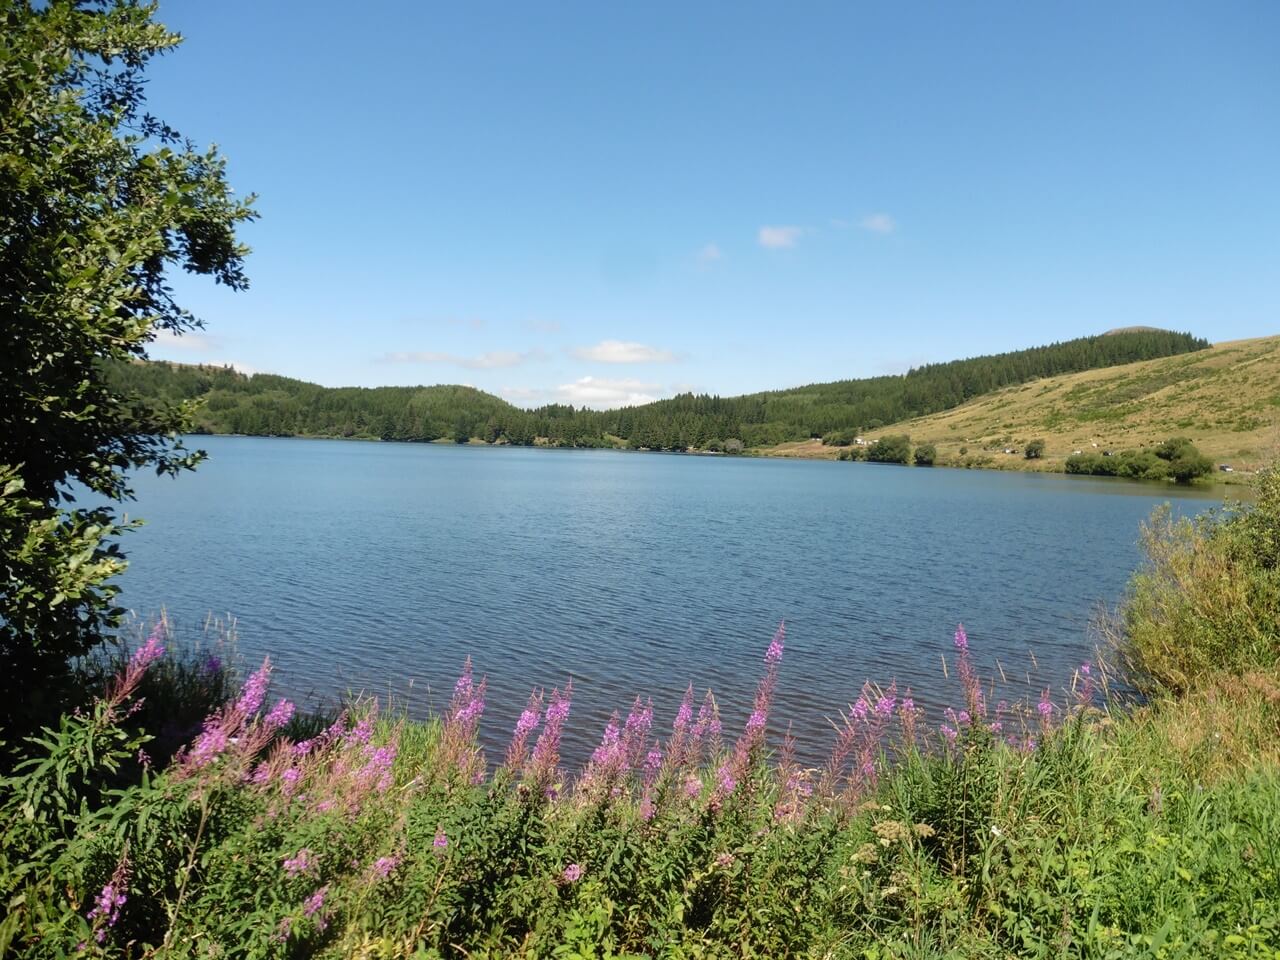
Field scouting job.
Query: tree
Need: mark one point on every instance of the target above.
(925, 455)
(895, 448)
(1035, 450)
(99, 201)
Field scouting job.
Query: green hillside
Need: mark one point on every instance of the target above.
(264, 404)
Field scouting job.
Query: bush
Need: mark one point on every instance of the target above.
(925, 455)
(1035, 450)
(838, 438)
(895, 448)
(1208, 598)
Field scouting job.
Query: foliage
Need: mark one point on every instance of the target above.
(98, 202)
(1008, 831)
(1034, 450)
(893, 448)
(1208, 598)
(925, 455)
(272, 405)
(1176, 459)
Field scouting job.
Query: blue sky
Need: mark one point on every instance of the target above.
(602, 203)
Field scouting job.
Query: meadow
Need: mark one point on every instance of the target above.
(1224, 399)
(1132, 812)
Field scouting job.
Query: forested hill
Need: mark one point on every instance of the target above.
(264, 404)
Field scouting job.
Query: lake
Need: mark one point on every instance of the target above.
(380, 567)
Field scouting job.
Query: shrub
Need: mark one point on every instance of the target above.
(1208, 598)
(895, 448)
(925, 455)
(1034, 450)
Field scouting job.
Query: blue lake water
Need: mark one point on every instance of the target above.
(379, 567)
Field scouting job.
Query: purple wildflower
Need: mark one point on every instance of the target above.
(280, 714)
(361, 732)
(301, 862)
(684, 716)
(314, 903)
(773, 655)
(383, 866)
(692, 787)
(254, 690)
(1045, 706)
(210, 744)
(112, 896)
(962, 638)
(948, 732)
(149, 652)
(884, 706)
(212, 664)
(860, 708)
(573, 873)
(441, 840)
(756, 721)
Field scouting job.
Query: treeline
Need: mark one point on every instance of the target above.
(265, 404)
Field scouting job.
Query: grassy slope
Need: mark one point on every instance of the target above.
(1226, 399)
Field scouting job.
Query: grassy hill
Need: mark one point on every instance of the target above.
(1225, 399)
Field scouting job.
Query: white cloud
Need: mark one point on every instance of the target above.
(879, 223)
(623, 351)
(774, 238)
(485, 361)
(192, 342)
(605, 394)
(710, 254)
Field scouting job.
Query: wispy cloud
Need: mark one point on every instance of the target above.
(623, 351)
(878, 223)
(711, 253)
(602, 393)
(191, 342)
(776, 238)
(492, 360)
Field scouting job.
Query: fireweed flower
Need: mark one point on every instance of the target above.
(441, 841)
(314, 904)
(280, 714)
(962, 639)
(149, 652)
(383, 866)
(525, 726)
(544, 765)
(572, 873)
(107, 904)
(254, 690)
(773, 655)
(948, 732)
(301, 862)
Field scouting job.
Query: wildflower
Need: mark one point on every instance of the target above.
(962, 639)
(684, 716)
(441, 841)
(1045, 707)
(756, 721)
(383, 866)
(300, 862)
(692, 787)
(149, 652)
(280, 714)
(212, 664)
(210, 744)
(314, 904)
(254, 690)
(884, 706)
(144, 758)
(573, 873)
(727, 782)
(112, 896)
(725, 859)
(652, 761)
(773, 655)
(860, 708)
(948, 732)
(361, 732)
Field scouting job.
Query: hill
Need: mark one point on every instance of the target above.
(271, 405)
(1226, 400)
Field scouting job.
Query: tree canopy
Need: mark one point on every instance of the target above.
(99, 203)
(838, 411)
